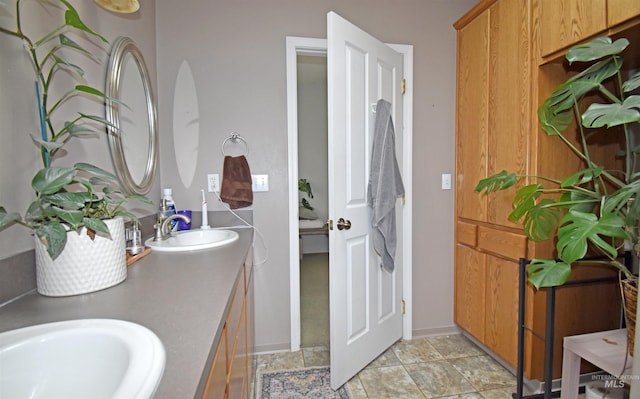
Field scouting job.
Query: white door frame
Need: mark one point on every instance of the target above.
(310, 46)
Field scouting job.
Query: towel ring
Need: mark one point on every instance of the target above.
(235, 138)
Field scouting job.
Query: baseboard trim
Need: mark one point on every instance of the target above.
(431, 332)
(272, 348)
(421, 333)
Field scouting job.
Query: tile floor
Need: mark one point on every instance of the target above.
(435, 367)
(444, 367)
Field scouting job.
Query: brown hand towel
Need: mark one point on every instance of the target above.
(236, 182)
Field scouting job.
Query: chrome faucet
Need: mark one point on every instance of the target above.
(162, 227)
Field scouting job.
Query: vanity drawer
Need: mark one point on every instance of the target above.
(467, 233)
(503, 243)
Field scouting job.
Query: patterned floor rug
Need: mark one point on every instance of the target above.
(308, 383)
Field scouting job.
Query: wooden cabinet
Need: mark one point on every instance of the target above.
(471, 140)
(230, 374)
(500, 85)
(493, 122)
(470, 278)
(493, 98)
(217, 382)
(622, 10)
(564, 23)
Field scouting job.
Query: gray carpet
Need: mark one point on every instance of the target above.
(314, 300)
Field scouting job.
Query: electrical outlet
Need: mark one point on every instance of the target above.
(259, 183)
(213, 182)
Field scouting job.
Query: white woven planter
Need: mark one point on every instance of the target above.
(84, 265)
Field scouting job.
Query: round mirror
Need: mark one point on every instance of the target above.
(131, 112)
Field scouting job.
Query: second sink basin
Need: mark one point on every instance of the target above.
(191, 240)
(87, 358)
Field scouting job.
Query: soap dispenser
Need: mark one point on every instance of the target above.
(167, 195)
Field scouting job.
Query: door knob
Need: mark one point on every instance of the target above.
(344, 224)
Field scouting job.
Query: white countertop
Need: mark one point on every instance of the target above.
(181, 297)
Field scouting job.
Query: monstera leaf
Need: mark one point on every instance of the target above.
(599, 115)
(540, 222)
(548, 272)
(497, 182)
(597, 48)
(578, 229)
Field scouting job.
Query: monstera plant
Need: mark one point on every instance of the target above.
(66, 198)
(594, 210)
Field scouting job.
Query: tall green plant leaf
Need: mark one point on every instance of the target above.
(579, 228)
(552, 122)
(582, 177)
(595, 49)
(73, 217)
(548, 273)
(98, 226)
(632, 84)
(7, 219)
(580, 200)
(66, 41)
(53, 236)
(51, 180)
(599, 115)
(69, 200)
(541, 221)
(72, 18)
(525, 200)
(564, 96)
(499, 181)
(95, 170)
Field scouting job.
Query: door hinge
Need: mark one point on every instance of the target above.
(404, 86)
(403, 310)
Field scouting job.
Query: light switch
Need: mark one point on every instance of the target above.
(259, 183)
(446, 181)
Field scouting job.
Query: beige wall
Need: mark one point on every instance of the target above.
(19, 158)
(236, 49)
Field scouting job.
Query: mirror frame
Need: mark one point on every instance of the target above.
(122, 47)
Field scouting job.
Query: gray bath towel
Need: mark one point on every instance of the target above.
(385, 186)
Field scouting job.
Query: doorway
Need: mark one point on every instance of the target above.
(317, 47)
(313, 209)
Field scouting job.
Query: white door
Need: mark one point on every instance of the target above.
(365, 300)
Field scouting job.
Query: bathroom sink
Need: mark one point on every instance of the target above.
(88, 358)
(191, 240)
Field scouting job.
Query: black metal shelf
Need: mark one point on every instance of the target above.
(550, 328)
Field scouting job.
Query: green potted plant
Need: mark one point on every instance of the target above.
(68, 200)
(305, 187)
(594, 209)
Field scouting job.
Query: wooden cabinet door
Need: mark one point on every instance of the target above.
(508, 100)
(229, 374)
(250, 317)
(621, 10)
(239, 373)
(501, 320)
(235, 323)
(469, 304)
(216, 387)
(471, 137)
(566, 22)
